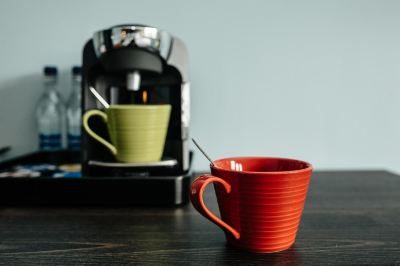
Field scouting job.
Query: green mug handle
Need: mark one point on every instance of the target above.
(85, 121)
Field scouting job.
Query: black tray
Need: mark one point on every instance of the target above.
(112, 191)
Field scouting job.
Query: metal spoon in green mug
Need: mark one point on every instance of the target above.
(99, 98)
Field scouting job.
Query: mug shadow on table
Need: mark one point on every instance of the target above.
(287, 257)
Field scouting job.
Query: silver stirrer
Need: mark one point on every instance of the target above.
(204, 153)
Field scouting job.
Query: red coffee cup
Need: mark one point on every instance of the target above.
(260, 204)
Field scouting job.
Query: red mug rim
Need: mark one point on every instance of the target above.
(303, 170)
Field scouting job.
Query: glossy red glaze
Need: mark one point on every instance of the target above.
(260, 206)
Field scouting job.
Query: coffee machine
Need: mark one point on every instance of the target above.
(138, 64)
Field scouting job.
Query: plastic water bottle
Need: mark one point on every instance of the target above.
(50, 112)
(74, 111)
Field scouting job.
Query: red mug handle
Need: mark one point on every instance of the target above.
(196, 196)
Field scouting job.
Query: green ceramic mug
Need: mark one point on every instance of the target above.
(137, 132)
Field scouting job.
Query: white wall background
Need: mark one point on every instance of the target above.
(316, 80)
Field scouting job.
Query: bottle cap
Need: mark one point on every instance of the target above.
(76, 70)
(50, 71)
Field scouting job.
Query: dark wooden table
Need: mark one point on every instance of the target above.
(351, 217)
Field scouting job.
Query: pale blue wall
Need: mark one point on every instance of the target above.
(317, 80)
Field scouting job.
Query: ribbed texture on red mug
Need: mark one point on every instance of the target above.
(264, 207)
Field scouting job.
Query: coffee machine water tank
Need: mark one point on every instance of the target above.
(137, 64)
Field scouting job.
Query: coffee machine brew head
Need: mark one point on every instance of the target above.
(137, 64)
(133, 80)
(133, 37)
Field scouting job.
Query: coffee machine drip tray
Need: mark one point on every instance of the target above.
(163, 163)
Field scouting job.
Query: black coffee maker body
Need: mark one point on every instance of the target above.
(136, 64)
